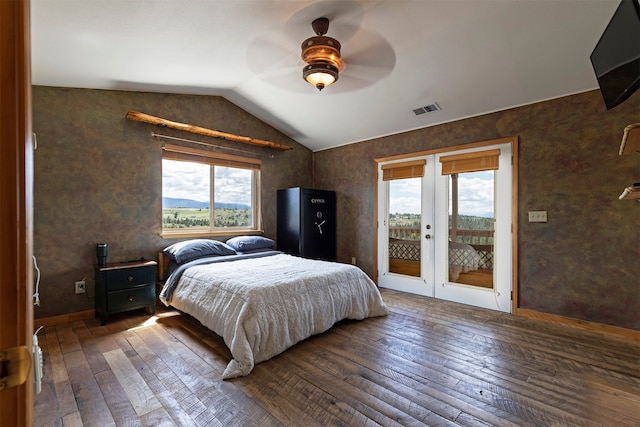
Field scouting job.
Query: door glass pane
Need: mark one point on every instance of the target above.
(405, 201)
(471, 228)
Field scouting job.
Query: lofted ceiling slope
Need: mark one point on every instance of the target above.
(470, 57)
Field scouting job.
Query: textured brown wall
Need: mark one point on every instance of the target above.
(98, 178)
(585, 262)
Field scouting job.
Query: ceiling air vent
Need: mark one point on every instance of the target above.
(427, 109)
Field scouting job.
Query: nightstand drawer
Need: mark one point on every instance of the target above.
(139, 296)
(126, 278)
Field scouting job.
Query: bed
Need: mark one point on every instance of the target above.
(259, 300)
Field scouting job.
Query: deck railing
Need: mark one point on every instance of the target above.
(404, 243)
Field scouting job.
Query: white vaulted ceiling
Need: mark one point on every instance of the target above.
(469, 56)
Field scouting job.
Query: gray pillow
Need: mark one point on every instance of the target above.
(189, 250)
(250, 243)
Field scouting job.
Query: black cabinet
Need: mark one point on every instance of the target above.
(307, 223)
(125, 286)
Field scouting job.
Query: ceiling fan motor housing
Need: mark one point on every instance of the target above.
(321, 49)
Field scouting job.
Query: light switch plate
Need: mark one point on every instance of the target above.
(537, 216)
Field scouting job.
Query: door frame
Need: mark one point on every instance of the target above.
(16, 193)
(514, 201)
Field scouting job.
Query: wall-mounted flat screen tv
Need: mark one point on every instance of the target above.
(616, 57)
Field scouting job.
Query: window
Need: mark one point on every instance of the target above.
(194, 181)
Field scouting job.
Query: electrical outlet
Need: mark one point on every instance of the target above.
(353, 260)
(537, 216)
(80, 287)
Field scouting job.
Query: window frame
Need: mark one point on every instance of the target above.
(212, 159)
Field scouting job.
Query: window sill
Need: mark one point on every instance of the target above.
(182, 233)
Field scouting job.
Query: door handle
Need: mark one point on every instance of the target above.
(427, 236)
(14, 367)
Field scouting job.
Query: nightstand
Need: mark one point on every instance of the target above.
(125, 286)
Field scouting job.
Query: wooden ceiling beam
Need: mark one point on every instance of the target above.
(146, 118)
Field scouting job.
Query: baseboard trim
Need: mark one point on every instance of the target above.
(64, 318)
(616, 331)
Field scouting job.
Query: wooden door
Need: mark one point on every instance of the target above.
(16, 206)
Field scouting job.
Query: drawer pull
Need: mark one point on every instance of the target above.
(130, 298)
(130, 278)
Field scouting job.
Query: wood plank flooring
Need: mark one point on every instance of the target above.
(429, 362)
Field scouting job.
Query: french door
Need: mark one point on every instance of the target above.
(445, 225)
(406, 225)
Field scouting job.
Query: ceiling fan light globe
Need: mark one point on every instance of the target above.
(320, 75)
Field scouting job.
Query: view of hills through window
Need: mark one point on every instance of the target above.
(186, 195)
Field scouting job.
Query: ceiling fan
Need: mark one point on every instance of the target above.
(360, 59)
(322, 56)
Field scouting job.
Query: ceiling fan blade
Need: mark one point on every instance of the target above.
(369, 49)
(369, 60)
(344, 17)
(270, 50)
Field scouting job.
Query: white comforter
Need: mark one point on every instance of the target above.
(263, 306)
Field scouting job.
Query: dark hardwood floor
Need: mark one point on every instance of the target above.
(429, 362)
